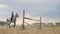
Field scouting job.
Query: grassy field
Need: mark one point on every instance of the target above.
(30, 30)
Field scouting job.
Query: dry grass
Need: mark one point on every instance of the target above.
(17, 30)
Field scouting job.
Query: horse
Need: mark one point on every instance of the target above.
(13, 20)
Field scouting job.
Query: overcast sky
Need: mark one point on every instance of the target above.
(35, 8)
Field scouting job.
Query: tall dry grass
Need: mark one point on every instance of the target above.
(30, 30)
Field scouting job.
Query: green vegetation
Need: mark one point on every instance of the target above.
(3, 23)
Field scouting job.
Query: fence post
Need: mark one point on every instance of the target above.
(40, 22)
(23, 19)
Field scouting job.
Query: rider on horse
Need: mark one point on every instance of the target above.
(12, 16)
(13, 19)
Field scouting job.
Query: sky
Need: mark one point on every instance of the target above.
(49, 10)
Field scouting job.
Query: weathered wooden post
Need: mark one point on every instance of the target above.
(23, 19)
(40, 22)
